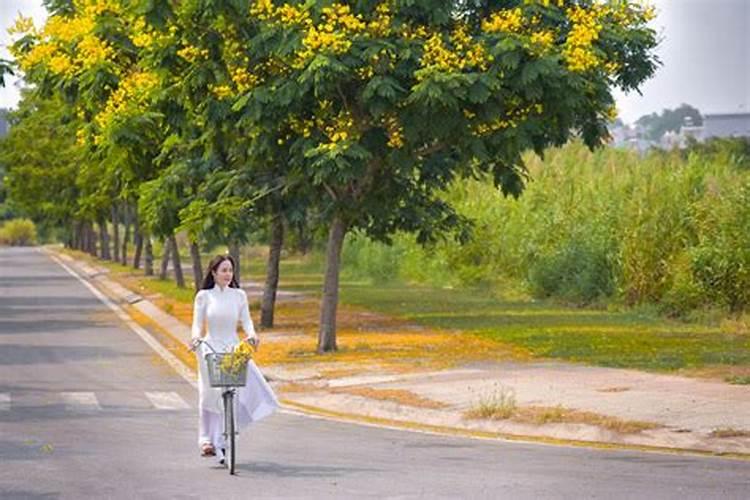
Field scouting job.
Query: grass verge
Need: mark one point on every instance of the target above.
(405, 328)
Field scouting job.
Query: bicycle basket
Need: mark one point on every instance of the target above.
(219, 378)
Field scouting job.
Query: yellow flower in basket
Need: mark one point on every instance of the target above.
(233, 363)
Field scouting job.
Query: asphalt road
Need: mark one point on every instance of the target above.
(87, 410)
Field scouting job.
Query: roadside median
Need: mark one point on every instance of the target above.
(502, 395)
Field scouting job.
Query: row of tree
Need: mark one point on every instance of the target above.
(218, 117)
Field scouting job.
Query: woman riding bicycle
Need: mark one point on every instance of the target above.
(221, 304)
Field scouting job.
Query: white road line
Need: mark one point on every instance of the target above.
(167, 401)
(170, 358)
(77, 401)
(4, 401)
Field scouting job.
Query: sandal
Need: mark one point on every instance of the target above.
(207, 450)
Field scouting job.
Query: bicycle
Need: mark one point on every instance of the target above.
(219, 378)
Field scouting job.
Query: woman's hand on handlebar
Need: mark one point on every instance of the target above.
(194, 343)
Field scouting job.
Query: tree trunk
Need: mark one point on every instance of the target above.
(148, 261)
(115, 234)
(82, 236)
(178, 277)
(91, 239)
(85, 237)
(327, 333)
(86, 234)
(234, 252)
(138, 235)
(76, 235)
(104, 239)
(125, 236)
(272, 272)
(166, 249)
(304, 237)
(195, 255)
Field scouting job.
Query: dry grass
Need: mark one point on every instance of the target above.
(296, 387)
(501, 405)
(729, 432)
(614, 389)
(400, 396)
(340, 372)
(559, 414)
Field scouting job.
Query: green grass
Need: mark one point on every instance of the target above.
(598, 337)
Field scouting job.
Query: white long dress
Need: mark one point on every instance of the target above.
(221, 309)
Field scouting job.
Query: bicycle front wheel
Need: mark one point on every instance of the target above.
(229, 431)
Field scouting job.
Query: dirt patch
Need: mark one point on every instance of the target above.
(614, 389)
(729, 432)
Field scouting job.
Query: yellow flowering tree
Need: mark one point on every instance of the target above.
(380, 104)
(86, 54)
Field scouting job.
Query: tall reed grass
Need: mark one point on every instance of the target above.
(670, 228)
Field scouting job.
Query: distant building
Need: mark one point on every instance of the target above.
(726, 125)
(3, 126)
(717, 125)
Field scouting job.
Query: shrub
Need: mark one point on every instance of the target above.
(721, 259)
(576, 272)
(372, 260)
(18, 232)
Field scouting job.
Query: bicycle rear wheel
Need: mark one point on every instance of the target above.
(229, 431)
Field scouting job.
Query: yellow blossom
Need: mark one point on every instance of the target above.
(221, 91)
(92, 51)
(22, 26)
(508, 20)
(192, 54)
(61, 64)
(578, 51)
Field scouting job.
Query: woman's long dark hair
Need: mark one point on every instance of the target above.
(208, 278)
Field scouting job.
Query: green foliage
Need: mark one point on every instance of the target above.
(18, 232)
(578, 272)
(40, 158)
(363, 258)
(6, 68)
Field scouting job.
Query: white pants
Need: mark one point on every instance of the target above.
(211, 429)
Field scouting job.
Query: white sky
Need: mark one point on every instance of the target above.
(705, 54)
